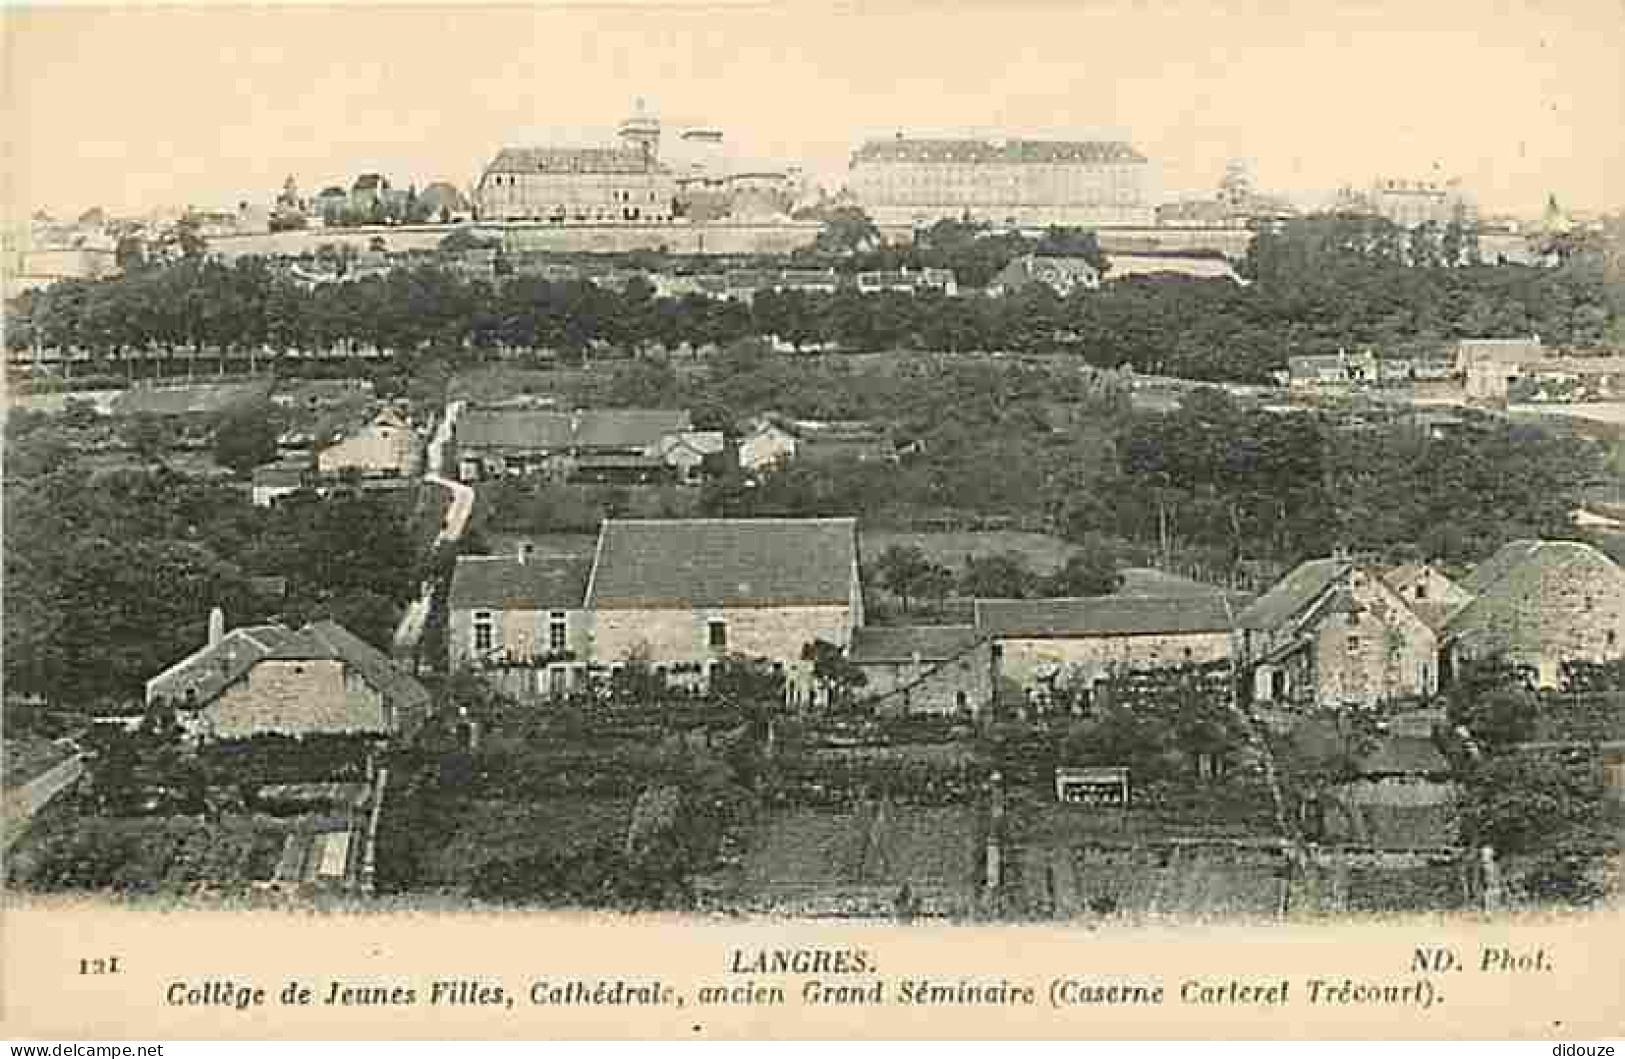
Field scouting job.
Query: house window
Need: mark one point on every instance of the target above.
(485, 631)
(557, 632)
(717, 635)
(557, 681)
(1613, 637)
(1421, 592)
(1354, 643)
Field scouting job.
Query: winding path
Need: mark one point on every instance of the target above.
(410, 629)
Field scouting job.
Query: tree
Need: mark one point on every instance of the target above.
(744, 681)
(1092, 572)
(246, 438)
(1496, 701)
(834, 672)
(146, 435)
(1003, 576)
(847, 230)
(908, 574)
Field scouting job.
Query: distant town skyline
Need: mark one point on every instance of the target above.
(133, 109)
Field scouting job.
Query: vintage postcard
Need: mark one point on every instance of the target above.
(798, 520)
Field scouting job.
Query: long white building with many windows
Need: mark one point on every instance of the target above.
(1026, 183)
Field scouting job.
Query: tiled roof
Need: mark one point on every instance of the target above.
(1506, 582)
(696, 563)
(1293, 593)
(1018, 151)
(903, 643)
(621, 428)
(1107, 615)
(622, 160)
(502, 582)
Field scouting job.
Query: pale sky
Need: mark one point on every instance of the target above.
(139, 107)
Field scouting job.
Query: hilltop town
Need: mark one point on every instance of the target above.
(643, 527)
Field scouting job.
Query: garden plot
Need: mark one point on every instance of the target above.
(815, 861)
(489, 830)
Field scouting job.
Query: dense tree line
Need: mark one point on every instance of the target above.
(1318, 285)
(110, 579)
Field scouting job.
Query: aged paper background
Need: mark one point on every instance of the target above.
(1579, 998)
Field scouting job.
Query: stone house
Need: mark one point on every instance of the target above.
(1045, 650)
(386, 446)
(1332, 633)
(1539, 604)
(775, 441)
(268, 679)
(622, 443)
(519, 621)
(681, 595)
(1489, 367)
(687, 593)
(1434, 597)
(940, 669)
(1063, 275)
(274, 481)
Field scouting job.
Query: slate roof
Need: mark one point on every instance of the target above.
(903, 643)
(531, 429)
(205, 673)
(1107, 615)
(209, 671)
(327, 639)
(502, 582)
(903, 149)
(574, 160)
(1504, 583)
(696, 563)
(1290, 595)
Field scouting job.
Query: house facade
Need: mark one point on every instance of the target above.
(775, 441)
(687, 593)
(1539, 603)
(682, 595)
(1063, 275)
(386, 446)
(1426, 590)
(936, 669)
(518, 619)
(269, 679)
(1045, 651)
(628, 444)
(1333, 633)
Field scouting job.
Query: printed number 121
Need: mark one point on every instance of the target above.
(99, 965)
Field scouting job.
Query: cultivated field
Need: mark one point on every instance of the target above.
(813, 861)
(156, 854)
(493, 830)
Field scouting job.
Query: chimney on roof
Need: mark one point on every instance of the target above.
(526, 549)
(217, 626)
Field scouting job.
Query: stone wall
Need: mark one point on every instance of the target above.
(376, 448)
(1028, 662)
(952, 686)
(293, 697)
(1577, 611)
(682, 636)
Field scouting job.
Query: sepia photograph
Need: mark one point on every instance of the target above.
(781, 519)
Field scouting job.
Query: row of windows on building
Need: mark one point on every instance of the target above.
(558, 632)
